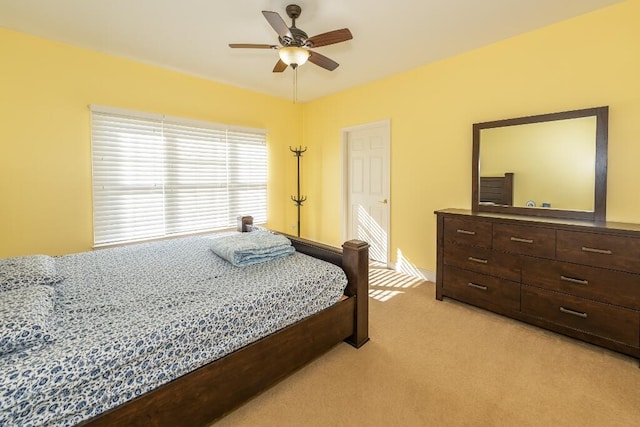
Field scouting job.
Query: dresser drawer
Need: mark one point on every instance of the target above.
(522, 239)
(480, 289)
(483, 260)
(613, 287)
(615, 252)
(465, 232)
(603, 320)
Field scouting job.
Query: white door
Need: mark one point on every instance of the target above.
(367, 193)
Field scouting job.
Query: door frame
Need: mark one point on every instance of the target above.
(344, 178)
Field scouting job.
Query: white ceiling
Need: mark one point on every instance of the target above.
(192, 36)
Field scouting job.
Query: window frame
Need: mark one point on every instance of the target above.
(196, 135)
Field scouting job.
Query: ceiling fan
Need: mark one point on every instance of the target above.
(296, 45)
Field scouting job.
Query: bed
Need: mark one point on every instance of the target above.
(133, 382)
(497, 190)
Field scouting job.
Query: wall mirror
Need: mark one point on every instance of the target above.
(549, 165)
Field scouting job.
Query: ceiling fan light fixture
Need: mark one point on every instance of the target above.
(293, 55)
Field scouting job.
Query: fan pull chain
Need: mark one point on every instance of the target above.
(295, 85)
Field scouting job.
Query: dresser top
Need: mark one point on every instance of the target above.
(621, 227)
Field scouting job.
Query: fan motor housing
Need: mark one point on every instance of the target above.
(299, 38)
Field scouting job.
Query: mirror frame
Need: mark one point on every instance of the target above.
(600, 191)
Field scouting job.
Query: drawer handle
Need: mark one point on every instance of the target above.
(461, 231)
(573, 313)
(479, 260)
(573, 280)
(475, 285)
(521, 240)
(597, 251)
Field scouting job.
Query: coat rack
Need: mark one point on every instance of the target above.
(299, 199)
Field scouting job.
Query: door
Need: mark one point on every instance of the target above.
(367, 187)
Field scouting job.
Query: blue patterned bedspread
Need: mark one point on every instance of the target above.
(132, 318)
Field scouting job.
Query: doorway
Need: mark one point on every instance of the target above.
(366, 183)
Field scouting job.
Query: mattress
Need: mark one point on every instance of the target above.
(130, 319)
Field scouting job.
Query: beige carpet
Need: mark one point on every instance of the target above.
(446, 363)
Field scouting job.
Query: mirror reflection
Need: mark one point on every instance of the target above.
(547, 164)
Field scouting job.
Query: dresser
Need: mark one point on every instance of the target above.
(576, 278)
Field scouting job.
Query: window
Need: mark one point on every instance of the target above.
(156, 176)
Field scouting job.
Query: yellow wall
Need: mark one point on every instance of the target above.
(588, 61)
(552, 162)
(45, 160)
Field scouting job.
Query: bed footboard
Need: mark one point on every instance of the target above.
(354, 260)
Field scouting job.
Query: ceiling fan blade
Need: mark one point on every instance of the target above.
(277, 23)
(253, 46)
(280, 66)
(322, 61)
(331, 37)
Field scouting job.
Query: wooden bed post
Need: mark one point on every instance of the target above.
(355, 262)
(244, 222)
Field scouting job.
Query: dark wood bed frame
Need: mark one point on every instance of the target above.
(497, 189)
(210, 392)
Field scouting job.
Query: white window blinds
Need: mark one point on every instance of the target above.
(156, 176)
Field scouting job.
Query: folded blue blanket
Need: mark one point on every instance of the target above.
(251, 248)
